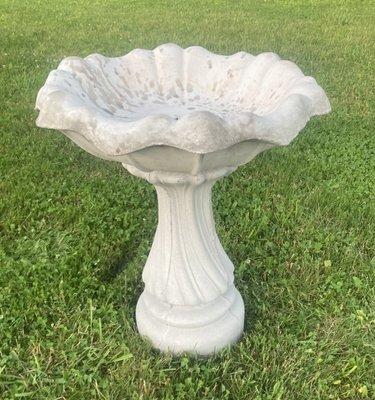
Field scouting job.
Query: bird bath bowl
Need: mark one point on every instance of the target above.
(182, 119)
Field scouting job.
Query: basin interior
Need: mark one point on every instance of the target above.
(143, 83)
(174, 107)
(144, 102)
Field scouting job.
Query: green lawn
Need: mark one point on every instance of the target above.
(298, 222)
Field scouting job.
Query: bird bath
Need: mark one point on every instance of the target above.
(182, 119)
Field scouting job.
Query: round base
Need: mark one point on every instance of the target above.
(201, 329)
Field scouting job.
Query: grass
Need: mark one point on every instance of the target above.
(298, 222)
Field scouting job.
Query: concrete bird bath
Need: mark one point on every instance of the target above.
(182, 119)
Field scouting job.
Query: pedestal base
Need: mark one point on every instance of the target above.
(189, 303)
(202, 329)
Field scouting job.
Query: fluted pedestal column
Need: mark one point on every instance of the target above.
(189, 302)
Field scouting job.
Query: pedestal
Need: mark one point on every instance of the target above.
(189, 302)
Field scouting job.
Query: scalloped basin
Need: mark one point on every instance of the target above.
(190, 99)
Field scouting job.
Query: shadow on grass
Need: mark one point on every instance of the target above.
(119, 262)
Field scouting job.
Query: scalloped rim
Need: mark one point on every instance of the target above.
(198, 132)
